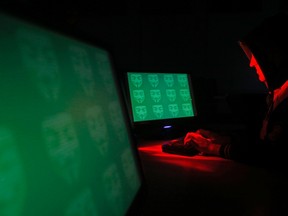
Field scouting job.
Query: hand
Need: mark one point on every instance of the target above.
(202, 144)
(214, 137)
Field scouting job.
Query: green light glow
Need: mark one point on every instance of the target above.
(64, 144)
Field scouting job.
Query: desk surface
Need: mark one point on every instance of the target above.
(202, 185)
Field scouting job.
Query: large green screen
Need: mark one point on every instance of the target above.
(65, 149)
(159, 96)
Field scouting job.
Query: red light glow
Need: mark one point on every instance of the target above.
(153, 151)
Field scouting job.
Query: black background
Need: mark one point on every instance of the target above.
(199, 37)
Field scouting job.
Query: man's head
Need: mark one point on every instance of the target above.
(266, 47)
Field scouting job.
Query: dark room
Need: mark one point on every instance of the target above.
(143, 108)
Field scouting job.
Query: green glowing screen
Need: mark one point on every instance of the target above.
(65, 149)
(158, 96)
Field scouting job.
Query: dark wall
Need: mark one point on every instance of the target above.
(198, 36)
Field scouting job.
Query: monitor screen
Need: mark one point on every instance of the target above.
(164, 97)
(65, 143)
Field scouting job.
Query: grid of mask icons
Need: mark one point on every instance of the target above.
(67, 117)
(160, 95)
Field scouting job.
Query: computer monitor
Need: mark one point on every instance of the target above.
(65, 142)
(161, 104)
